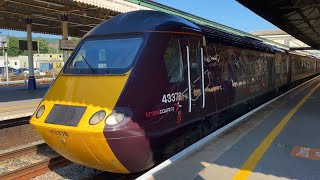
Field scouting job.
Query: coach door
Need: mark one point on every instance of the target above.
(195, 72)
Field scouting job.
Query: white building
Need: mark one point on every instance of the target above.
(15, 62)
(284, 38)
(22, 61)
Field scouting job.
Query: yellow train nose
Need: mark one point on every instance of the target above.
(64, 123)
(86, 148)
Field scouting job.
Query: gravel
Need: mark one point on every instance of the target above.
(23, 146)
(24, 160)
(72, 171)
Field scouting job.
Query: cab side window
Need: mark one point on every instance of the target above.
(173, 60)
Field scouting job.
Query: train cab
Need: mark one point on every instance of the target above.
(123, 90)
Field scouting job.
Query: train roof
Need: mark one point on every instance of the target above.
(217, 35)
(141, 21)
(149, 20)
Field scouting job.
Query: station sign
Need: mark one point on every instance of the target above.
(3, 42)
(67, 44)
(23, 45)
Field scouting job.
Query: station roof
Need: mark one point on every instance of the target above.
(299, 18)
(83, 15)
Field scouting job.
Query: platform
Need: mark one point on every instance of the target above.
(280, 141)
(16, 102)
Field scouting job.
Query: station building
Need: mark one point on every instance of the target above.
(281, 37)
(41, 61)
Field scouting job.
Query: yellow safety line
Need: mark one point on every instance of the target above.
(17, 107)
(255, 157)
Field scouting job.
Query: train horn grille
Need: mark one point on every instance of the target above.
(65, 115)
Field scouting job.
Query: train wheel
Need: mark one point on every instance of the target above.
(172, 148)
(208, 125)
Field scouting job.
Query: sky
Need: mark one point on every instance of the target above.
(226, 12)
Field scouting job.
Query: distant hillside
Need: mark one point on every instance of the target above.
(52, 40)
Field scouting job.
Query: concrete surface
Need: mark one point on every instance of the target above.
(18, 102)
(224, 156)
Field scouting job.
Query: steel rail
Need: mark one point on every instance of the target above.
(14, 122)
(36, 169)
(22, 151)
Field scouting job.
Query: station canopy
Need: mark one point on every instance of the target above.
(299, 18)
(46, 16)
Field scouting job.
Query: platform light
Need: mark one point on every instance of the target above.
(40, 111)
(114, 118)
(49, 3)
(97, 117)
(40, 24)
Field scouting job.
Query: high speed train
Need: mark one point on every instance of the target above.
(145, 84)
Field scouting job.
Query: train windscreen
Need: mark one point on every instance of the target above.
(104, 56)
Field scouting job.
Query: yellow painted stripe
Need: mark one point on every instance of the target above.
(18, 107)
(255, 157)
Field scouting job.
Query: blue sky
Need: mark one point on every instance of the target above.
(227, 12)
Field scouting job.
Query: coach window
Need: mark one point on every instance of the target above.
(173, 60)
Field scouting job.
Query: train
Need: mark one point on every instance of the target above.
(143, 85)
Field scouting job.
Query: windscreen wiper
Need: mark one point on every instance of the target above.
(91, 69)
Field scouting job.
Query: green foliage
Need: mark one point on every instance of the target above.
(13, 47)
(44, 47)
(53, 50)
(75, 39)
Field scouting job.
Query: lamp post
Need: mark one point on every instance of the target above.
(4, 59)
(5, 56)
(4, 45)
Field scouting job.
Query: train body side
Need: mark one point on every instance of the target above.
(235, 80)
(302, 66)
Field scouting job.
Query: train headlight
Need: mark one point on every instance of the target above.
(114, 118)
(97, 117)
(40, 111)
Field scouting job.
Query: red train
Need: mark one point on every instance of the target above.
(143, 85)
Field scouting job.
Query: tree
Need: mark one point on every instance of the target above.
(43, 46)
(13, 47)
(75, 39)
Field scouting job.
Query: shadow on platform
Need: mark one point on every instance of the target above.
(22, 93)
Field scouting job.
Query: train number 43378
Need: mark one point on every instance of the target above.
(173, 97)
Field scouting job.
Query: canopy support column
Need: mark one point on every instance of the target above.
(31, 79)
(64, 21)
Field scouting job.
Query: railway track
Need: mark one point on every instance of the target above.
(16, 132)
(34, 169)
(22, 151)
(14, 122)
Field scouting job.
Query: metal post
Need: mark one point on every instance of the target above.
(38, 47)
(31, 79)
(7, 68)
(4, 58)
(64, 19)
(189, 81)
(202, 80)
